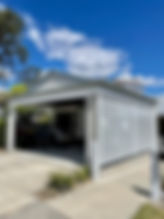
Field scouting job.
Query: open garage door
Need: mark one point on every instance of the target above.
(160, 124)
(55, 128)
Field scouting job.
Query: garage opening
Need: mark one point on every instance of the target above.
(55, 128)
(160, 123)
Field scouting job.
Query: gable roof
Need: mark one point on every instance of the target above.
(83, 83)
(52, 75)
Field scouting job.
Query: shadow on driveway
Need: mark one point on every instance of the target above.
(142, 191)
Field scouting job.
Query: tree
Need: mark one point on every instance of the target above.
(30, 74)
(18, 90)
(11, 48)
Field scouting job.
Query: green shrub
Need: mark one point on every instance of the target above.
(82, 174)
(149, 211)
(25, 110)
(61, 182)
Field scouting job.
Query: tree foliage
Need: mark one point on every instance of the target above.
(11, 48)
(18, 90)
(30, 74)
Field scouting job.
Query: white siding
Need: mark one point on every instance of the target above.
(126, 128)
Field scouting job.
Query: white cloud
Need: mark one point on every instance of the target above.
(94, 61)
(2, 7)
(81, 55)
(126, 77)
(33, 33)
(64, 35)
(59, 43)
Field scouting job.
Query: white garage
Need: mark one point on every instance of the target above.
(116, 122)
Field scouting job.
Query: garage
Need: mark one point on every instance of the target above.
(104, 122)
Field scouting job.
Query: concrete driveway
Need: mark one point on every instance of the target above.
(35, 210)
(22, 174)
(119, 192)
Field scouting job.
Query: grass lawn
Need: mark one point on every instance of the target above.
(149, 212)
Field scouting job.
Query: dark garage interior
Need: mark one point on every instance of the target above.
(55, 128)
(160, 124)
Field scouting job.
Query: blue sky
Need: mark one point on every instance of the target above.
(131, 33)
